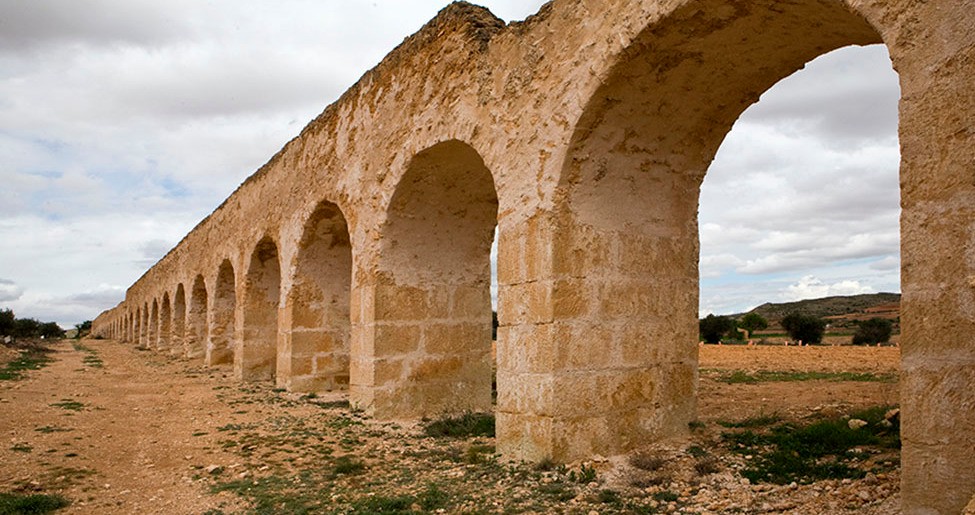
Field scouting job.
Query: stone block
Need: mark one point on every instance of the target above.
(401, 303)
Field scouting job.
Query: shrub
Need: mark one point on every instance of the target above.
(468, 424)
(753, 322)
(713, 327)
(875, 330)
(804, 328)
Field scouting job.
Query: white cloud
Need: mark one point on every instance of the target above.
(809, 287)
(123, 123)
(9, 290)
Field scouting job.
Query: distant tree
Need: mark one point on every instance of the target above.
(805, 328)
(7, 322)
(26, 328)
(713, 327)
(875, 330)
(82, 329)
(494, 325)
(753, 322)
(51, 330)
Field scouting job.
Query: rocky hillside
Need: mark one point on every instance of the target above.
(852, 307)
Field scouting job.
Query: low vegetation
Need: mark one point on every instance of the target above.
(764, 376)
(873, 331)
(29, 359)
(17, 503)
(462, 426)
(832, 448)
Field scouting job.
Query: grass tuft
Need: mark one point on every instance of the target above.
(811, 452)
(15, 504)
(31, 359)
(462, 426)
(647, 461)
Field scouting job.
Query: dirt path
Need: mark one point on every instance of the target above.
(118, 430)
(122, 436)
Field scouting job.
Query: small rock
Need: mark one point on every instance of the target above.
(892, 415)
(856, 423)
(864, 495)
(870, 479)
(213, 469)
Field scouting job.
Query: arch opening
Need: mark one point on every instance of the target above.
(220, 336)
(256, 357)
(625, 272)
(197, 329)
(144, 326)
(814, 214)
(315, 349)
(165, 322)
(178, 336)
(431, 332)
(153, 333)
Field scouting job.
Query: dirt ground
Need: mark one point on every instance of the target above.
(119, 430)
(795, 399)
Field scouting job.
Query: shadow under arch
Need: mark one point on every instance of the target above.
(165, 322)
(178, 336)
(625, 258)
(427, 348)
(256, 357)
(153, 333)
(221, 325)
(197, 333)
(314, 351)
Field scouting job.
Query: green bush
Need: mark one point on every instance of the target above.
(875, 330)
(13, 504)
(714, 327)
(805, 328)
(752, 322)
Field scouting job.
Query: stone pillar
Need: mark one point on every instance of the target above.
(596, 349)
(420, 351)
(937, 115)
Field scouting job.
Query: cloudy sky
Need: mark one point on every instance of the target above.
(125, 122)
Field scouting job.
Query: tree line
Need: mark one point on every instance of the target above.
(800, 327)
(15, 327)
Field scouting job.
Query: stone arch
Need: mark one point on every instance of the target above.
(165, 322)
(152, 341)
(196, 320)
(178, 335)
(314, 352)
(144, 327)
(220, 340)
(255, 358)
(624, 276)
(430, 333)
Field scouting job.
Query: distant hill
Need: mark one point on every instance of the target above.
(847, 307)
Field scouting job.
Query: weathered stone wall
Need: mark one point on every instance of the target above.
(358, 256)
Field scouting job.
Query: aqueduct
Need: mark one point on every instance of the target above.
(358, 256)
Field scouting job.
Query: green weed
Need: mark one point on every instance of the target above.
(758, 421)
(347, 465)
(466, 425)
(812, 452)
(431, 499)
(69, 404)
(14, 504)
(33, 359)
